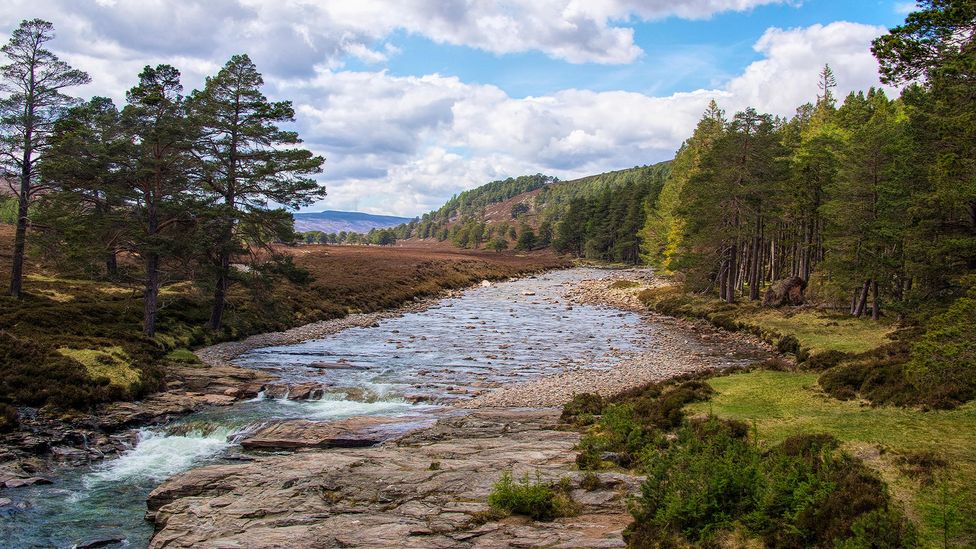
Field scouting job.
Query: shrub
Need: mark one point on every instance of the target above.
(538, 500)
(184, 356)
(711, 483)
(825, 360)
(8, 418)
(583, 404)
(788, 344)
(696, 487)
(943, 360)
(878, 376)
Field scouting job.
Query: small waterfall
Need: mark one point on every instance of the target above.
(159, 455)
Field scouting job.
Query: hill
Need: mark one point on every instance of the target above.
(331, 221)
(528, 212)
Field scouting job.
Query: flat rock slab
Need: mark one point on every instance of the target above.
(428, 489)
(351, 433)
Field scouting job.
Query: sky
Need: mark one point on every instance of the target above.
(413, 101)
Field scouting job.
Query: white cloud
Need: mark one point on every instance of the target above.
(403, 144)
(787, 75)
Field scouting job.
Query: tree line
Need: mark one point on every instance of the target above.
(871, 200)
(170, 179)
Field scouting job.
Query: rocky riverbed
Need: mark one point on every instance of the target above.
(377, 430)
(426, 490)
(429, 489)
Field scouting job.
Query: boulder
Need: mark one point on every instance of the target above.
(21, 482)
(350, 433)
(788, 291)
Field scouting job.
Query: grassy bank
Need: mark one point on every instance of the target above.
(849, 384)
(71, 343)
(928, 459)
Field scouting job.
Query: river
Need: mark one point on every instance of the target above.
(414, 366)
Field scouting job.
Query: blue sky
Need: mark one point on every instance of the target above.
(412, 101)
(680, 54)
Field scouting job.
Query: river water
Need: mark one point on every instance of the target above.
(415, 366)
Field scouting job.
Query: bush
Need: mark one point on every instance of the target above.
(878, 376)
(943, 360)
(825, 360)
(8, 418)
(582, 406)
(183, 356)
(538, 500)
(711, 483)
(788, 344)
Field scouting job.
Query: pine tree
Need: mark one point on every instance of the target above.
(34, 80)
(83, 167)
(158, 181)
(248, 163)
(663, 228)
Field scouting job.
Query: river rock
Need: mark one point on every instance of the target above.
(336, 366)
(21, 482)
(350, 433)
(391, 495)
(784, 292)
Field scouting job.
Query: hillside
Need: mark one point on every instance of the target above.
(331, 221)
(498, 214)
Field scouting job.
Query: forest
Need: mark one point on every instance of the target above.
(867, 201)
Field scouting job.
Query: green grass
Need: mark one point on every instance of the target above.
(785, 403)
(820, 332)
(816, 331)
(184, 356)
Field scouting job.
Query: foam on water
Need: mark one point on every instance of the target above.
(158, 456)
(336, 407)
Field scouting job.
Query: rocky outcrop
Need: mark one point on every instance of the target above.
(427, 490)
(788, 291)
(354, 432)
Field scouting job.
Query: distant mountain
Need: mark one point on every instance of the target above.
(335, 222)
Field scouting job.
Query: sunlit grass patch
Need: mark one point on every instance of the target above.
(60, 297)
(112, 363)
(819, 332)
(184, 356)
(787, 403)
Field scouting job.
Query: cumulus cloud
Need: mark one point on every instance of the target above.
(403, 144)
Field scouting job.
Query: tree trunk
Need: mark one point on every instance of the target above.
(111, 265)
(151, 295)
(220, 290)
(733, 270)
(875, 303)
(223, 265)
(723, 275)
(20, 239)
(863, 299)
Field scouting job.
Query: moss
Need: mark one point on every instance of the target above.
(111, 363)
(624, 285)
(184, 356)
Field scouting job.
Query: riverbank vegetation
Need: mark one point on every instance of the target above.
(761, 456)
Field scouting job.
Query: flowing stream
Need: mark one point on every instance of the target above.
(414, 366)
